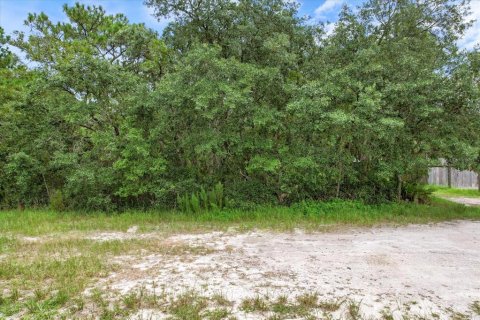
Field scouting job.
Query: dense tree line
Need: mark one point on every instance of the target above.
(246, 96)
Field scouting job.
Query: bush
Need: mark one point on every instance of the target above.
(56, 201)
(418, 193)
(202, 201)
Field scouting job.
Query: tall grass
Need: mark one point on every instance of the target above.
(309, 215)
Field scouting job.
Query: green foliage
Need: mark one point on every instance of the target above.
(202, 201)
(219, 196)
(56, 201)
(195, 203)
(243, 92)
(204, 198)
(418, 192)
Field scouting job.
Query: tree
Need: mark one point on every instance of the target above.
(401, 56)
(94, 70)
(242, 94)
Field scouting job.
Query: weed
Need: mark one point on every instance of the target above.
(217, 314)
(39, 294)
(6, 244)
(14, 294)
(387, 314)
(308, 300)
(255, 304)
(188, 306)
(329, 306)
(221, 300)
(132, 301)
(459, 316)
(281, 305)
(475, 307)
(353, 311)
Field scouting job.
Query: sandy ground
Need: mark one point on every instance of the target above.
(466, 201)
(423, 270)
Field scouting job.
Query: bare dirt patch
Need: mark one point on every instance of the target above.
(424, 270)
(471, 202)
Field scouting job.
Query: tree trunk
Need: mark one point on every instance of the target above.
(46, 186)
(339, 182)
(449, 176)
(399, 188)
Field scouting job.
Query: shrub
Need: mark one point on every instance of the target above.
(56, 201)
(202, 201)
(418, 193)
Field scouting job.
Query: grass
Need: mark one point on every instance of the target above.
(40, 278)
(255, 304)
(47, 261)
(476, 307)
(440, 191)
(308, 215)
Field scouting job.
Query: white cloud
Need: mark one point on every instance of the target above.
(328, 6)
(330, 28)
(472, 36)
(152, 22)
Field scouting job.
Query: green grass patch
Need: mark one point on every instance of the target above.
(440, 191)
(307, 215)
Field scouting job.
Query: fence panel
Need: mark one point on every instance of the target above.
(463, 179)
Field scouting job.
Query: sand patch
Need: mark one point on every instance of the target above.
(469, 202)
(425, 269)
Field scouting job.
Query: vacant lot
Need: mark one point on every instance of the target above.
(147, 266)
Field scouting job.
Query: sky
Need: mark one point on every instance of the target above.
(14, 12)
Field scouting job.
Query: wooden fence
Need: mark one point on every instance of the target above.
(463, 179)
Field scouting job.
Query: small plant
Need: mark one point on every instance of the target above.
(131, 301)
(387, 314)
(256, 303)
(39, 294)
(281, 305)
(77, 304)
(418, 193)
(219, 195)
(221, 300)
(329, 306)
(353, 311)
(476, 307)
(195, 203)
(56, 201)
(183, 203)
(203, 198)
(202, 201)
(217, 314)
(14, 294)
(308, 300)
(188, 306)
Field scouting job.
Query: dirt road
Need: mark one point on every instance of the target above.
(471, 202)
(431, 271)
